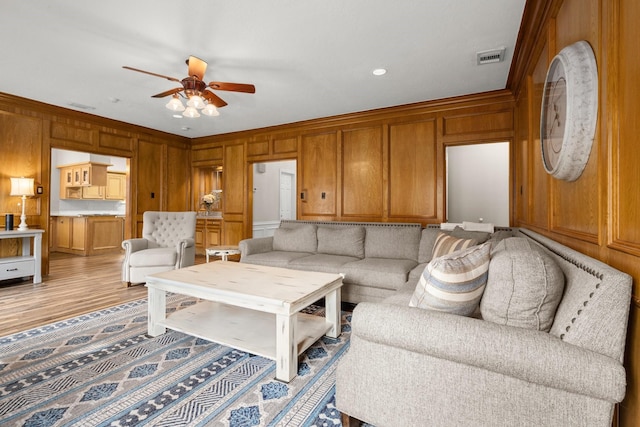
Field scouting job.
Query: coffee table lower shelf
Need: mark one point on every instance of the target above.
(245, 329)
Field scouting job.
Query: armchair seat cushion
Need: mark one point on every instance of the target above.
(155, 256)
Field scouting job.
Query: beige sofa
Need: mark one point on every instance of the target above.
(377, 259)
(411, 366)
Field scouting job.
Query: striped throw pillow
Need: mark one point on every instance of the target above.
(454, 283)
(446, 244)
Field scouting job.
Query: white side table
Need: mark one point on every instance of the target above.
(28, 264)
(222, 251)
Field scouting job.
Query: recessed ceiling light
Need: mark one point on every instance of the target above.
(177, 116)
(185, 128)
(379, 72)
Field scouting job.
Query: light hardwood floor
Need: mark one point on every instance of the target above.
(75, 285)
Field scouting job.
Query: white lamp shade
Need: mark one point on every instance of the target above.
(210, 110)
(191, 113)
(22, 187)
(175, 104)
(196, 102)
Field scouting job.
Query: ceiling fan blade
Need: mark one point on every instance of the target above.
(214, 99)
(168, 92)
(234, 87)
(197, 67)
(173, 79)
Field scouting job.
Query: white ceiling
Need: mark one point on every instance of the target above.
(307, 58)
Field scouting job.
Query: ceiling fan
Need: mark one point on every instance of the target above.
(195, 89)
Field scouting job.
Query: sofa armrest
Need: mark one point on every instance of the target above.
(134, 245)
(532, 356)
(256, 245)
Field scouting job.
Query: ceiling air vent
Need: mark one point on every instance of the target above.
(491, 56)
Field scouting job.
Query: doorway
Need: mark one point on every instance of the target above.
(478, 183)
(274, 195)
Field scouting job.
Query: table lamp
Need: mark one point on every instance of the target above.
(22, 187)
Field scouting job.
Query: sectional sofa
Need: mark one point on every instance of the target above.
(377, 259)
(540, 343)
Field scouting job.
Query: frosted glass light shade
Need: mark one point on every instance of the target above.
(22, 187)
(191, 113)
(211, 110)
(175, 104)
(196, 102)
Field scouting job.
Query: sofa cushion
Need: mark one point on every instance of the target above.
(378, 272)
(524, 287)
(446, 244)
(347, 241)
(154, 256)
(392, 242)
(454, 283)
(478, 236)
(296, 239)
(324, 263)
(274, 258)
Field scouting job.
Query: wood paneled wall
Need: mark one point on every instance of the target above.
(599, 214)
(382, 165)
(29, 130)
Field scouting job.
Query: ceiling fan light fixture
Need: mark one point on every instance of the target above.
(210, 110)
(175, 104)
(196, 101)
(191, 112)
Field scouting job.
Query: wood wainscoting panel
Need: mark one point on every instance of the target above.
(362, 177)
(67, 132)
(21, 152)
(478, 122)
(234, 179)
(117, 142)
(521, 158)
(150, 171)
(257, 148)
(232, 231)
(177, 179)
(413, 170)
(574, 205)
(285, 145)
(206, 155)
(538, 178)
(319, 177)
(625, 143)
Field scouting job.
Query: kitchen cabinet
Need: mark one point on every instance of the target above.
(88, 235)
(76, 176)
(116, 188)
(93, 192)
(208, 233)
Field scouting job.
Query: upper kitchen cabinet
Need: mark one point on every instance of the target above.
(75, 176)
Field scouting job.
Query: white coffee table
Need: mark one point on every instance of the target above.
(249, 307)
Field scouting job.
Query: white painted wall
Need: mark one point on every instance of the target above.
(478, 183)
(266, 193)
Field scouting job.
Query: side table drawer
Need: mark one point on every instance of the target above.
(18, 268)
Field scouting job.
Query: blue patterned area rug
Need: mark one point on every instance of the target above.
(101, 369)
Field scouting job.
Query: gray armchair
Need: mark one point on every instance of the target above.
(167, 243)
